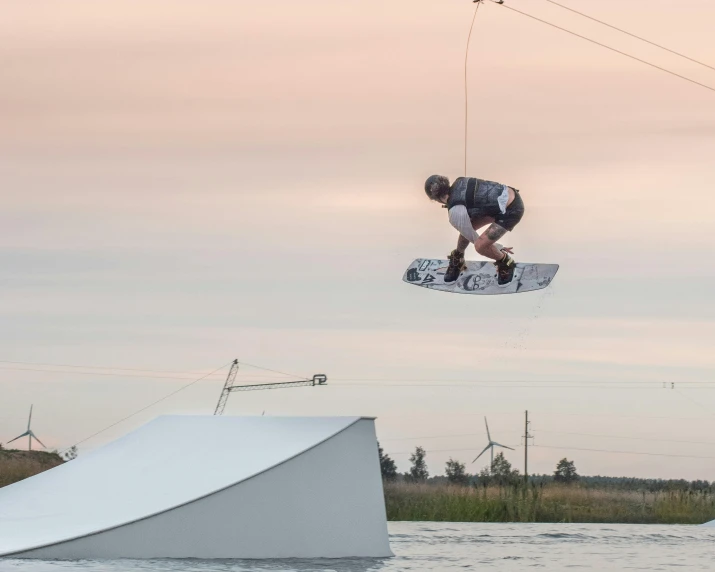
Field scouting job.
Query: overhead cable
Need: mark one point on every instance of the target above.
(632, 35)
(466, 97)
(182, 388)
(709, 88)
(274, 370)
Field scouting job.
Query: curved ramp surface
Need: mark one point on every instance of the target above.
(208, 487)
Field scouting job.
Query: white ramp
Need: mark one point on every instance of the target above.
(208, 487)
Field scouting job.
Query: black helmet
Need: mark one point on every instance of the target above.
(436, 186)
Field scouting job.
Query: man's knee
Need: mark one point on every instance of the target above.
(483, 247)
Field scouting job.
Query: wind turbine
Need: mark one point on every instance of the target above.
(491, 446)
(29, 434)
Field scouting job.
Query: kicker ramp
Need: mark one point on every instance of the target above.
(208, 487)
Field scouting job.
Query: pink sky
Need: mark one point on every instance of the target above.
(183, 184)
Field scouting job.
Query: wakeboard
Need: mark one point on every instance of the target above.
(480, 277)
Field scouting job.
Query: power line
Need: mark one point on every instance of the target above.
(484, 386)
(609, 48)
(547, 413)
(440, 436)
(630, 34)
(458, 435)
(623, 452)
(100, 373)
(476, 384)
(525, 385)
(91, 367)
(111, 374)
(658, 440)
(114, 369)
(564, 448)
(406, 382)
(622, 416)
(94, 367)
(658, 382)
(442, 450)
(182, 388)
(700, 405)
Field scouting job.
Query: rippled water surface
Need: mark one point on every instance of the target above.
(453, 546)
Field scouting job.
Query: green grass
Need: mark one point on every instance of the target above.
(17, 465)
(550, 503)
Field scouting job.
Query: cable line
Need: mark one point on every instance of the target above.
(466, 98)
(182, 388)
(630, 34)
(274, 371)
(610, 48)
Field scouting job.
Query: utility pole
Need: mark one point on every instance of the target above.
(526, 448)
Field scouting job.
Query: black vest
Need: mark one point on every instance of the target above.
(479, 196)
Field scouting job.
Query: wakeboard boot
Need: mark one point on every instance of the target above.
(456, 265)
(505, 270)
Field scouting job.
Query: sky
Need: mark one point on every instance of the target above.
(183, 184)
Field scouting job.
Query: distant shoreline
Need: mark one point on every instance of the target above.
(443, 502)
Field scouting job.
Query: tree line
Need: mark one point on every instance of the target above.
(502, 473)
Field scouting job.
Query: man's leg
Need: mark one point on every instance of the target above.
(456, 257)
(462, 244)
(486, 243)
(456, 260)
(477, 223)
(505, 264)
(486, 246)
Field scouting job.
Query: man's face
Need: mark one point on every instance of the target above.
(440, 184)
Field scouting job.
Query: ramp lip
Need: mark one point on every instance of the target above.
(354, 421)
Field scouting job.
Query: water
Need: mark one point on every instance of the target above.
(455, 546)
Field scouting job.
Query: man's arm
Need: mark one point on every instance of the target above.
(459, 219)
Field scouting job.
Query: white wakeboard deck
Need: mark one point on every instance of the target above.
(480, 277)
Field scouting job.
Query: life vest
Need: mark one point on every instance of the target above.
(480, 197)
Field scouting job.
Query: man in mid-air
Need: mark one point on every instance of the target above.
(473, 204)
